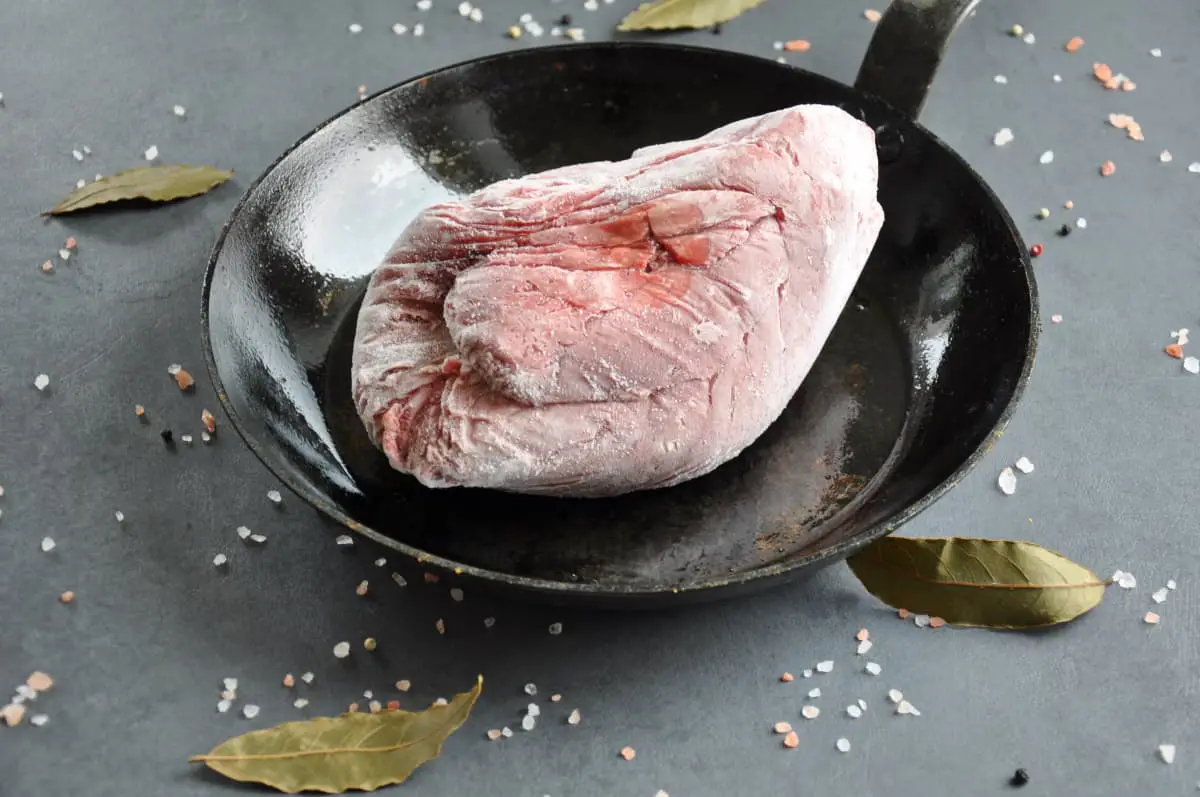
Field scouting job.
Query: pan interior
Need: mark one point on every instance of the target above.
(896, 403)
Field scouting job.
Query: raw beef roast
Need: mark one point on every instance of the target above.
(610, 327)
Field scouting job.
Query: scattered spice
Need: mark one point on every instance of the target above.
(431, 578)
(903, 614)
(936, 622)
(787, 677)
(1074, 44)
(440, 625)
(361, 589)
(184, 379)
(797, 46)
(403, 685)
(791, 741)
(863, 635)
(1043, 213)
(1102, 72)
(209, 421)
(872, 15)
(39, 681)
(1151, 618)
(628, 753)
(1064, 230)
(494, 734)
(67, 597)
(369, 644)
(1068, 204)
(12, 714)
(1108, 169)
(782, 727)
(289, 681)
(1174, 350)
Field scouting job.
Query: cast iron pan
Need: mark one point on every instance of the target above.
(921, 372)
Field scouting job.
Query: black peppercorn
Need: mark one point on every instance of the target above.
(564, 20)
(167, 436)
(1064, 230)
(1020, 778)
(716, 29)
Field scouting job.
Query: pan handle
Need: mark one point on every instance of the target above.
(907, 48)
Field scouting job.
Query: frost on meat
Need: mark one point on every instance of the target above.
(610, 327)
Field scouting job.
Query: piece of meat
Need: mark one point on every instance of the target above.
(609, 327)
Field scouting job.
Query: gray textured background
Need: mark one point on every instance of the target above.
(1109, 421)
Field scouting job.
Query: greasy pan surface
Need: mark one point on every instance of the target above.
(923, 368)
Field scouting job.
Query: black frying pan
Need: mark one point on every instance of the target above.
(923, 369)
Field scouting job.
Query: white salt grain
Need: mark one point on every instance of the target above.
(864, 647)
(307, 677)
(368, 694)
(506, 732)
(186, 438)
(120, 516)
(528, 722)
(41, 381)
(1001, 79)
(77, 154)
(1164, 156)
(476, 15)
(1155, 52)
(344, 540)
(174, 368)
(555, 629)
(814, 693)
(525, 19)
(249, 711)
(590, 5)
(921, 620)
(1046, 157)
(905, 708)
(843, 745)
(778, 45)
(1194, 168)
(424, 5)
(1024, 465)
(531, 689)
(219, 560)
(243, 532)
(180, 110)
(810, 712)
(224, 706)
(1167, 753)
(380, 562)
(26, 692)
(1007, 482)
(258, 538)
(1003, 136)
(574, 717)
(825, 666)
(274, 497)
(807, 674)
(419, 29)
(873, 668)
(48, 545)
(464, 9)
(895, 695)
(38, 720)
(64, 254)
(151, 152)
(862, 704)
(533, 710)
(355, 27)
(1056, 78)
(456, 594)
(1081, 223)
(80, 183)
(341, 650)
(1029, 38)
(1191, 365)
(853, 711)
(300, 702)
(1171, 583)
(399, 29)
(488, 622)
(400, 580)
(1124, 580)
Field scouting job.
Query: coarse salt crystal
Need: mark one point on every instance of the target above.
(864, 647)
(921, 620)
(219, 560)
(1191, 365)
(27, 692)
(778, 45)
(862, 704)
(424, 5)
(38, 720)
(590, 5)
(1167, 753)
(1056, 319)
(120, 516)
(274, 496)
(1194, 168)
(1046, 157)
(341, 650)
(806, 674)
(1081, 223)
(249, 711)
(488, 622)
(80, 183)
(243, 532)
(300, 702)
(1155, 52)
(1007, 482)
(186, 438)
(1024, 465)
(525, 18)
(48, 544)
(906, 708)
(307, 677)
(354, 27)
(1124, 580)
(1003, 136)
(574, 717)
(895, 695)
(180, 110)
(399, 29)
(224, 705)
(456, 594)
(1056, 78)
(533, 710)
(258, 538)
(151, 152)
(400, 580)
(380, 562)
(77, 154)
(555, 629)
(853, 711)
(843, 745)
(531, 689)
(506, 732)
(344, 540)
(1001, 79)
(825, 666)
(41, 381)
(873, 668)
(419, 29)
(464, 9)
(1171, 583)
(528, 722)
(815, 692)
(1029, 38)
(476, 15)
(810, 712)
(1164, 156)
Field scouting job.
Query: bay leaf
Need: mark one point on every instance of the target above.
(978, 582)
(676, 14)
(164, 183)
(335, 754)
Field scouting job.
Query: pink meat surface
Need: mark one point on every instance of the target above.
(610, 327)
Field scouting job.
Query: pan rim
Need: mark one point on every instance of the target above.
(766, 573)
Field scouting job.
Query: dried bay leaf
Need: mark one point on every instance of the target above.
(164, 183)
(676, 14)
(977, 582)
(335, 754)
